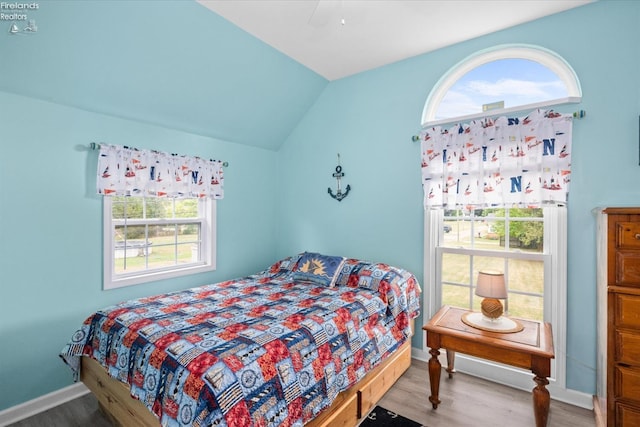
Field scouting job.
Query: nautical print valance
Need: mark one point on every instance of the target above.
(503, 162)
(124, 171)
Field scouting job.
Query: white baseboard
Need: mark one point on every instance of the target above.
(41, 404)
(510, 377)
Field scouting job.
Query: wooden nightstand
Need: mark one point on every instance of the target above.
(531, 348)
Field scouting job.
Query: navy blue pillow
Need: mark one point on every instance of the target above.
(318, 269)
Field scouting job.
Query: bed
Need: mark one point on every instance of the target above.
(313, 340)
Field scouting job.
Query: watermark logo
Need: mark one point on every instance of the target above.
(20, 16)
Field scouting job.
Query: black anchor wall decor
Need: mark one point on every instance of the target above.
(338, 174)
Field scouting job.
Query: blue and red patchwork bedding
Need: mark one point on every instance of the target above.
(263, 350)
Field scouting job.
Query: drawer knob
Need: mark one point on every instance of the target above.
(637, 236)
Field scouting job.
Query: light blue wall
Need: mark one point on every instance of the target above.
(369, 119)
(51, 229)
(168, 75)
(170, 62)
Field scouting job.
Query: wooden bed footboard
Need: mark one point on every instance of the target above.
(346, 411)
(353, 404)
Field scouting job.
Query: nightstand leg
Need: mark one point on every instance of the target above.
(434, 377)
(451, 358)
(541, 401)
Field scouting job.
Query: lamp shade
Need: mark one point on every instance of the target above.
(491, 284)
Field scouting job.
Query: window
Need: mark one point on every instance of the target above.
(528, 245)
(506, 240)
(501, 80)
(503, 83)
(148, 239)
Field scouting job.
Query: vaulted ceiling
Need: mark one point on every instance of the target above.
(338, 38)
(239, 71)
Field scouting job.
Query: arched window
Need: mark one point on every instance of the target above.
(459, 243)
(501, 80)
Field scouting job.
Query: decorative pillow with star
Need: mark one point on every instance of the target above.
(318, 269)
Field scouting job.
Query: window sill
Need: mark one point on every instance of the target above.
(110, 283)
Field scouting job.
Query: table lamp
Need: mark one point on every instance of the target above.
(492, 287)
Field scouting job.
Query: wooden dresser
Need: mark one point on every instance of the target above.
(617, 402)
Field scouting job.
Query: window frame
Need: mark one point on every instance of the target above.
(207, 211)
(555, 234)
(545, 57)
(555, 247)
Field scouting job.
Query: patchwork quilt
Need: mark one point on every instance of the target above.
(263, 350)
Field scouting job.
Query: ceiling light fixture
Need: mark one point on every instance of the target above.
(326, 12)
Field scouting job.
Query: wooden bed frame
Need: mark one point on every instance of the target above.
(346, 411)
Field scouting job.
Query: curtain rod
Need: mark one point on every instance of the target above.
(576, 115)
(96, 145)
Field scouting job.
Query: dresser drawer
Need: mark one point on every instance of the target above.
(628, 235)
(627, 382)
(628, 347)
(627, 416)
(627, 311)
(628, 268)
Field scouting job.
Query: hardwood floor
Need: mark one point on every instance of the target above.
(466, 401)
(471, 401)
(80, 412)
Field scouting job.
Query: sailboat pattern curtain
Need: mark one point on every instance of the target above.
(124, 171)
(502, 162)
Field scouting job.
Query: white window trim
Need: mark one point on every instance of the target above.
(543, 56)
(208, 248)
(555, 238)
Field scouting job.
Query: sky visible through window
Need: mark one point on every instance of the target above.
(514, 81)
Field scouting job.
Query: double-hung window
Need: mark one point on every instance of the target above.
(506, 240)
(528, 245)
(147, 239)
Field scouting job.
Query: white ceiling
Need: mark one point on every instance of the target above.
(338, 38)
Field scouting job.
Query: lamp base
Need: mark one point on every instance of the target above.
(491, 308)
(501, 324)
